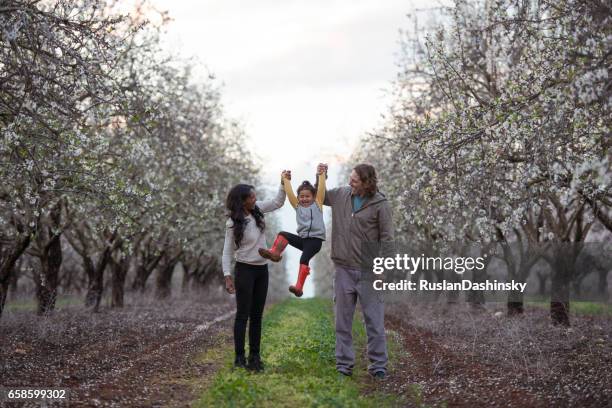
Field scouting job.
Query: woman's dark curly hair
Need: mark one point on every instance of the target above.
(235, 210)
(307, 186)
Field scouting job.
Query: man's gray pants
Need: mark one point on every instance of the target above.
(348, 287)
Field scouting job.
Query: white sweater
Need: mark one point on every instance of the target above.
(253, 238)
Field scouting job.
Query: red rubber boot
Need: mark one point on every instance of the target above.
(274, 253)
(297, 289)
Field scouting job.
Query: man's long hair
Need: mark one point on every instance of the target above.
(367, 175)
(235, 210)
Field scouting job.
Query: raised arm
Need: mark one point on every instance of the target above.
(274, 204)
(328, 196)
(290, 194)
(321, 190)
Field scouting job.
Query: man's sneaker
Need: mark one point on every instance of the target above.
(255, 363)
(240, 362)
(379, 375)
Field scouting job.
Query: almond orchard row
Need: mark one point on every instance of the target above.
(500, 134)
(108, 143)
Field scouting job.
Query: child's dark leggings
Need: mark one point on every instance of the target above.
(251, 283)
(309, 246)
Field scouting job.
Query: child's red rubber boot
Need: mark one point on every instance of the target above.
(274, 253)
(297, 289)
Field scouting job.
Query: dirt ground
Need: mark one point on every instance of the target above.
(141, 356)
(145, 355)
(469, 358)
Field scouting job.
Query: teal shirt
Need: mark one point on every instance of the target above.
(357, 202)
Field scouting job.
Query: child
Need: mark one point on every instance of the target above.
(311, 228)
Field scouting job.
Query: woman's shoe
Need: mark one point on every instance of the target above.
(240, 362)
(255, 363)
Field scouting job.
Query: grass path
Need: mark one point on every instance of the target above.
(580, 307)
(298, 349)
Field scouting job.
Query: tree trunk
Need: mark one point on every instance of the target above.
(142, 275)
(95, 289)
(164, 280)
(208, 273)
(119, 270)
(90, 271)
(559, 313)
(572, 233)
(560, 290)
(14, 277)
(82, 241)
(139, 280)
(186, 278)
(51, 261)
(144, 270)
(476, 298)
(516, 308)
(3, 295)
(7, 265)
(452, 296)
(439, 274)
(96, 284)
(516, 303)
(542, 277)
(71, 273)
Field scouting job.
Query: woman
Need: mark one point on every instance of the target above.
(244, 235)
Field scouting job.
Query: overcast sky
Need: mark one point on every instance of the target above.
(306, 78)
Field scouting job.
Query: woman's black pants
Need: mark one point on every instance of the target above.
(251, 283)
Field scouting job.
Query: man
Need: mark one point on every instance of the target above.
(360, 213)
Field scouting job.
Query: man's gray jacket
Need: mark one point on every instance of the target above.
(371, 223)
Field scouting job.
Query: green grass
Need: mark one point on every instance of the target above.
(298, 344)
(580, 307)
(31, 304)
